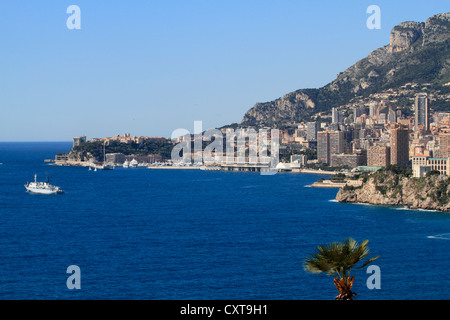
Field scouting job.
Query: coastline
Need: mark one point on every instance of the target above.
(307, 171)
(71, 163)
(327, 185)
(313, 171)
(400, 190)
(393, 206)
(173, 168)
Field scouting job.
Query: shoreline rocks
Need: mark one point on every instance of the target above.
(387, 188)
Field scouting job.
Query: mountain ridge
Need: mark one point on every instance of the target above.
(417, 52)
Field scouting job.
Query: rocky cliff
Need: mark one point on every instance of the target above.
(417, 52)
(387, 188)
(290, 108)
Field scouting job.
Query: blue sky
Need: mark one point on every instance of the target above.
(150, 67)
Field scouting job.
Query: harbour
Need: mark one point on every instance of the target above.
(222, 167)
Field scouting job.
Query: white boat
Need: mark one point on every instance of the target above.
(133, 163)
(42, 187)
(126, 164)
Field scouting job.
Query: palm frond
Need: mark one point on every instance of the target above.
(368, 262)
(338, 257)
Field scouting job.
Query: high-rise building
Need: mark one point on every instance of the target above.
(311, 130)
(336, 116)
(392, 116)
(336, 142)
(444, 145)
(378, 156)
(421, 112)
(399, 145)
(323, 147)
(373, 107)
(357, 112)
(333, 126)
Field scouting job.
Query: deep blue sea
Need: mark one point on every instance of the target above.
(191, 234)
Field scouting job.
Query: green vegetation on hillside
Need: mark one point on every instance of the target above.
(152, 146)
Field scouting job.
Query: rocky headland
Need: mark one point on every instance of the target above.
(388, 187)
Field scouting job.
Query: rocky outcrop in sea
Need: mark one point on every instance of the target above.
(388, 188)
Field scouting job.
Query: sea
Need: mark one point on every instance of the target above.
(140, 234)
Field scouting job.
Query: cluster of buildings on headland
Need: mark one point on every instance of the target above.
(365, 138)
(127, 138)
(112, 159)
(377, 135)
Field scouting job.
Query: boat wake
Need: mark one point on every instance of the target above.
(250, 186)
(427, 210)
(416, 209)
(443, 236)
(366, 204)
(403, 208)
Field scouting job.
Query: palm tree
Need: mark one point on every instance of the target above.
(338, 259)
